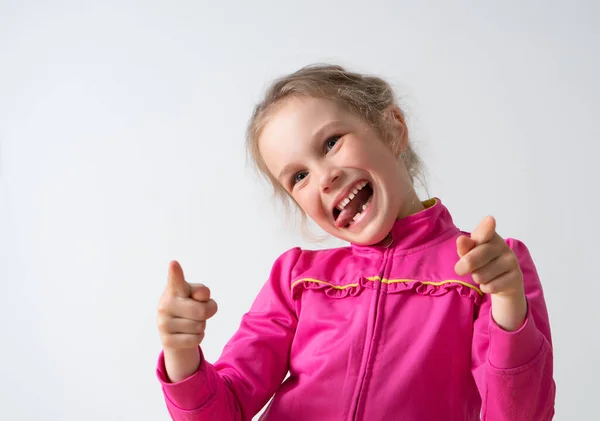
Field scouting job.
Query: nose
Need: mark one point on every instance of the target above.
(329, 177)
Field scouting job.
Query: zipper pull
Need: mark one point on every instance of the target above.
(387, 241)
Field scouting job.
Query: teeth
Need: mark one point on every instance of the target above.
(362, 210)
(351, 196)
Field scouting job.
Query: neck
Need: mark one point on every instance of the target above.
(411, 205)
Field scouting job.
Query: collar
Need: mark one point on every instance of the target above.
(414, 230)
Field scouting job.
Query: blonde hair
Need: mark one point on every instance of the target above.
(364, 95)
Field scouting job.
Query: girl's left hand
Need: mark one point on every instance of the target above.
(494, 266)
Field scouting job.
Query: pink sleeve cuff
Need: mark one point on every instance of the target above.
(191, 393)
(510, 350)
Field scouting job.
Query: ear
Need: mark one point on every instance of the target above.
(397, 125)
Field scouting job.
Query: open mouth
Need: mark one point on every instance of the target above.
(354, 205)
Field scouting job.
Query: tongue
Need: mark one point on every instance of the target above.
(353, 207)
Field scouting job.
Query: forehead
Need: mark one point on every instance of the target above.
(302, 114)
(288, 133)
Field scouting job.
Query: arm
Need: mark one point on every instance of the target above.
(514, 370)
(253, 363)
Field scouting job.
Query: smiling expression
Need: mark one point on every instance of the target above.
(337, 168)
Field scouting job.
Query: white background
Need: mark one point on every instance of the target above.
(122, 147)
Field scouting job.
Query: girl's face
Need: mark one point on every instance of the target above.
(338, 169)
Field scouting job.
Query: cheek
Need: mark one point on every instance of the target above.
(309, 201)
(363, 154)
(383, 160)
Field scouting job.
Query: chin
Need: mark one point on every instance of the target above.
(369, 239)
(370, 235)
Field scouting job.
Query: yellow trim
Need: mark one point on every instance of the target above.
(429, 202)
(449, 281)
(316, 281)
(387, 281)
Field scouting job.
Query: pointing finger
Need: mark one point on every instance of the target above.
(485, 231)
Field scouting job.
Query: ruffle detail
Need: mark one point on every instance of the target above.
(390, 286)
(331, 290)
(434, 289)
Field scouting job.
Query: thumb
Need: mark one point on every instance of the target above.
(464, 245)
(176, 282)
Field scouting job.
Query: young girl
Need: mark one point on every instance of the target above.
(415, 320)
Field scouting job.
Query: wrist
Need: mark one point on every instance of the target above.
(181, 363)
(509, 311)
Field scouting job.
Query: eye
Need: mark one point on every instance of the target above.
(331, 142)
(298, 177)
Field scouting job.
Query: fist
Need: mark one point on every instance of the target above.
(490, 261)
(183, 311)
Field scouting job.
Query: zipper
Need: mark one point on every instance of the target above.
(370, 347)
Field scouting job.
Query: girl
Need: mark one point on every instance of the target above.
(415, 320)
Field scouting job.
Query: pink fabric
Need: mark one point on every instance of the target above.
(373, 333)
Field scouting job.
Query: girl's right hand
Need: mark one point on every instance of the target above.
(182, 314)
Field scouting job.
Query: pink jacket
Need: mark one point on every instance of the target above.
(374, 333)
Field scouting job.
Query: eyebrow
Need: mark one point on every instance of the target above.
(318, 134)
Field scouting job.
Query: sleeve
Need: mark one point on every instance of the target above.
(514, 370)
(253, 364)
